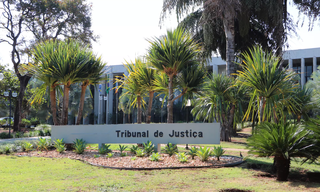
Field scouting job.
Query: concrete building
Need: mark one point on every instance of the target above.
(303, 61)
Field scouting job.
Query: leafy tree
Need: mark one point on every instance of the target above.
(175, 55)
(269, 84)
(284, 142)
(44, 19)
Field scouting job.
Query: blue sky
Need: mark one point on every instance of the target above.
(124, 26)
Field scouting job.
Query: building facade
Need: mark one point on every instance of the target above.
(106, 95)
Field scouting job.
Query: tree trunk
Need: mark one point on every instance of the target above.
(18, 110)
(151, 93)
(53, 101)
(262, 104)
(170, 102)
(65, 104)
(283, 166)
(82, 96)
(228, 24)
(139, 110)
(298, 118)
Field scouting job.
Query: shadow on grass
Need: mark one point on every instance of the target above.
(297, 176)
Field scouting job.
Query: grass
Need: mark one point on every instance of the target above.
(45, 174)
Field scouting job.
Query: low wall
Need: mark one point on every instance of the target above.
(177, 133)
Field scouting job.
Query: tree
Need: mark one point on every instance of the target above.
(175, 55)
(269, 84)
(43, 19)
(63, 63)
(284, 142)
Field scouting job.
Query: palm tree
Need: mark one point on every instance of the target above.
(217, 101)
(171, 54)
(62, 63)
(269, 84)
(93, 74)
(146, 75)
(284, 142)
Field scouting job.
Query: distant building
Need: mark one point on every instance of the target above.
(303, 61)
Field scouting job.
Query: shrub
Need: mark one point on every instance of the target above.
(283, 141)
(121, 149)
(203, 153)
(171, 149)
(18, 134)
(27, 146)
(6, 149)
(193, 152)
(148, 147)
(43, 144)
(5, 135)
(155, 157)
(134, 148)
(47, 132)
(140, 153)
(40, 133)
(218, 152)
(104, 149)
(79, 146)
(109, 155)
(26, 122)
(59, 145)
(182, 157)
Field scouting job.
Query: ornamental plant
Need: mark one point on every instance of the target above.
(182, 157)
(27, 146)
(134, 148)
(148, 147)
(171, 149)
(218, 152)
(121, 149)
(109, 155)
(59, 145)
(193, 152)
(155, 156)
(79, 146)
(203, 153)
(140, 153)
(104, 149)
(43, 144)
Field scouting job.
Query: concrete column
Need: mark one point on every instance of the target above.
(314, 64)
(215, 68)
(290, 64)
(110, 98)
(303, 72)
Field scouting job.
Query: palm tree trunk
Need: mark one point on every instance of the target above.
(65, 104)
(298, 118)
(151, 93)
(283, 166)
(53, 101)
(83, 92)
(170, 102)
(139, 109)
(262, 106)
(228, 23)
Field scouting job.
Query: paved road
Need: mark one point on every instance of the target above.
(23, 139)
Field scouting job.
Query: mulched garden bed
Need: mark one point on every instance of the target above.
(130, 162)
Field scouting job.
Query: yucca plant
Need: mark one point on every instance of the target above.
(121, 149)
(79, 146)
(134, 149)
(171, 149)
(182, 157)
(27, 146)
(59, 145)
(203, 153)
(193, 152)
(284, 141)
(140, 153)
(218, 152)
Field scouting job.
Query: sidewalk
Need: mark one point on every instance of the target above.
(21, 139)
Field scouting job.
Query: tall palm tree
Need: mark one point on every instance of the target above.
(171, 54)
(93, 73)
(269, 84)
(146, 75)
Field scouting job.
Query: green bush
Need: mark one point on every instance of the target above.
(218, 152)
(18, 134)
(26, 122)
(121, 149)
(193, 152)
(109, 155)
(171, 149)
(79, 146)
(5, 135)
(134, 148)
(43, 144)
(203, 153)
(59, 145)
(155, 157)
(104, 149)
(182, 157)
(140, 153)
(148, 147)
(27, 146)
(47, 132)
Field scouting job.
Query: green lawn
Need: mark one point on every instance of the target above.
(45, 174)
